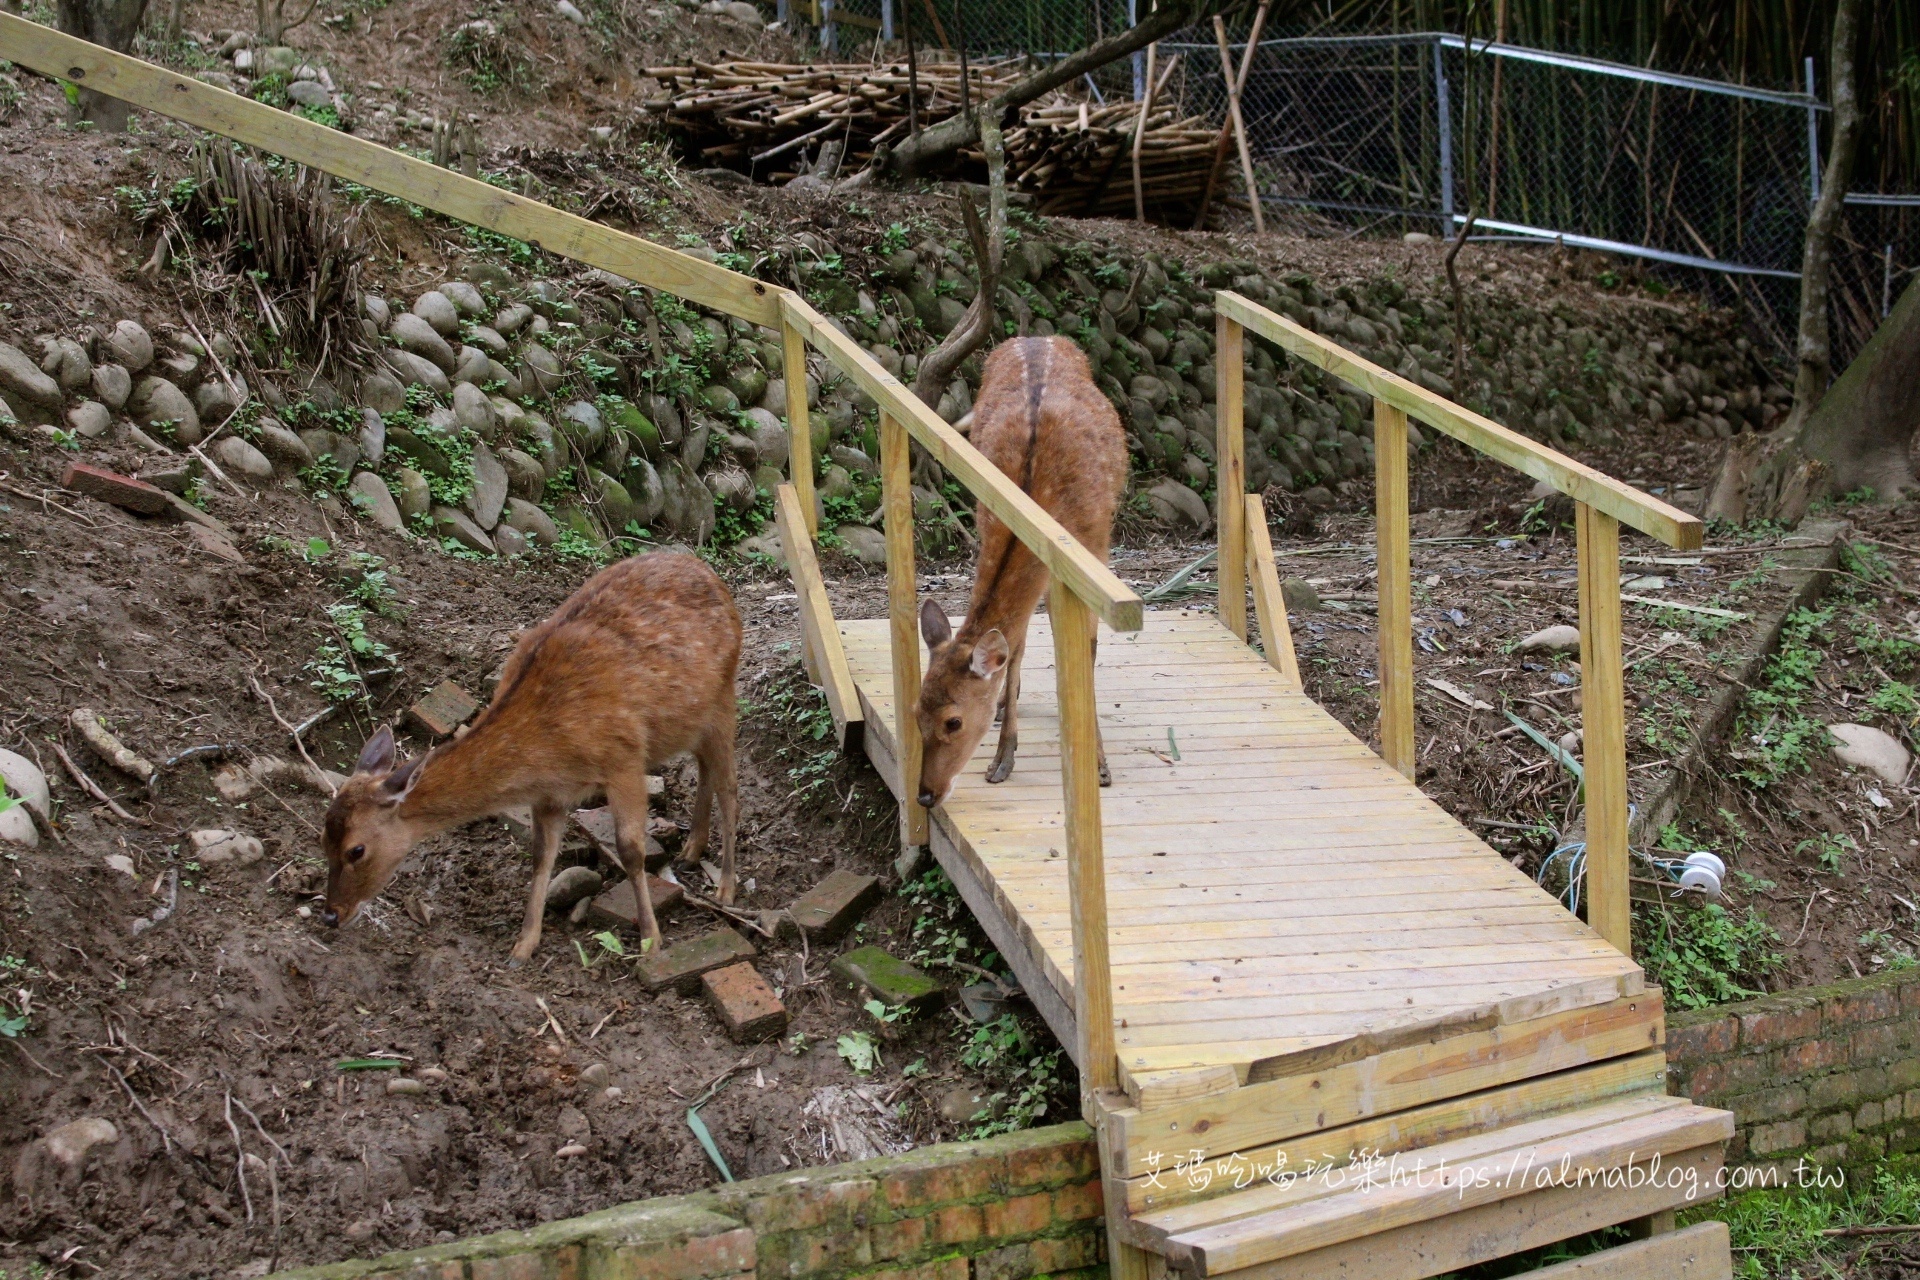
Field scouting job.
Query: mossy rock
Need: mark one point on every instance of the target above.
(417, 450)
(720, 399)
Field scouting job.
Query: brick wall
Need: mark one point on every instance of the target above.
(1009, 1208)
(1831, 1074)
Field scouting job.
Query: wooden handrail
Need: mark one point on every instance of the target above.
(1575, 479)
(195, 102)
(1069, 562)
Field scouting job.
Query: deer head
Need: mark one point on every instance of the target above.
(957, 698)
(365, 839)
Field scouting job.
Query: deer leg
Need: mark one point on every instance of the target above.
(1099, 742)
(1002, 766)
(718, 782)
(698, 838)
(627, 797)
(547, 824)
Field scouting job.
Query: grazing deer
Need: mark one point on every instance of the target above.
(1041, 419)
(635, 668)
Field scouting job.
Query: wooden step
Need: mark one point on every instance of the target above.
(1594, 1161)
(1700, 1252)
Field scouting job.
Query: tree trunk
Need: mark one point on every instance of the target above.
(112, 24)
(933, 145)
(1816, 275)
(1865, 423)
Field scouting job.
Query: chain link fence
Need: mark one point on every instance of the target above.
(1701, 182)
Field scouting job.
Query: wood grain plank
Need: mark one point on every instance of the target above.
(827, 658)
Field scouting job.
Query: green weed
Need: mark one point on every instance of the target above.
(1705, 957)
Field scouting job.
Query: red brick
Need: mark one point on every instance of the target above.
(442, 709)
(681, 965)
(726, 1253)
(956, 1224)
(1019, 1216)
(598, 827)
(537, 1264)
(1857, 1007)
(938, 1269)
(1063, 1253)
(801, 1201)
(899, 1238)
(1812, 1055)
(1910, 996)
(614, 908)
(1884, 1042)
(1778, 1026)
(943, 1181)
(1052, 1163)
(1770, 1139)
(1698, 1040)
(112, 487)
(831, 907)
(1075, 1204)
(745, 1003)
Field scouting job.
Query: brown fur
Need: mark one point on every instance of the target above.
(635, 668)
(1041, 419)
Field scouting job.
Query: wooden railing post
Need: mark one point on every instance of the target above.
(1073, 635)
(1270, 606)
(799, 425)
(896, 496)
(1392, 556)
(1230, 443)
(1603, 718)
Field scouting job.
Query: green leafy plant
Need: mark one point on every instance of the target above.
(1028, 1084)
(860, 1051)
(1706, 957)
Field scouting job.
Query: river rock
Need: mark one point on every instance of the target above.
(1875, 750)
(373, 437)
(569, 885)
(510, 320)
(240, 459)
(489, 486)
(70, 1143)
(26, 380)
(438, 310)
(112, 385)
(473, 366)
(488, 340)
(24, 780)
(868, 546)
(67, 363)
(320, 442)
(219, 847)
(370, 494)
(411, 493)
(90, 419)
(465, 298)
(131, 346)
(525, 518)
(541, 368)
(377, 310)
(155, 400)
(526, 478)
(382, 392)
(473, 411)
(583, 425)
(1177, 504)
(309, 93)
(1559, 638)
(417, 371)
(449, 523)
(284, 446)
(420, 336)
(214, 401)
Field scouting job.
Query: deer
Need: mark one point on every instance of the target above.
(636, 667)
(1044, 422)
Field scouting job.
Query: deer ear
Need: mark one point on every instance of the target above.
(399, 784)
(377, 755)
(990, 655)
(934, 627)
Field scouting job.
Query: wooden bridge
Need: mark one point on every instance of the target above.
(1322, 1030)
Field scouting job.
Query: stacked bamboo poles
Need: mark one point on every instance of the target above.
(744, 114)
(1070, 155)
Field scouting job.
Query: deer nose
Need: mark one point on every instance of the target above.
(927, 798)
(330, 918)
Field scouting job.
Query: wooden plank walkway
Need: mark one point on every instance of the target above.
(1273, 886)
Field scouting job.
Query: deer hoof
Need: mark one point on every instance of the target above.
(516, 962)
(1000, 771)
(1106, 775)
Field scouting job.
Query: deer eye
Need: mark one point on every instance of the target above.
(953, 724)
(356, 853)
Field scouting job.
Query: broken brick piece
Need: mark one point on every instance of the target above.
(891, 980)
(616, 906)
(681, 965)
(112, 487)
(444, 708)
(745, 1003)
(831, 907)
(597, 825)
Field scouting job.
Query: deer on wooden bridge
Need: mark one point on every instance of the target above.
(1043, 421)
(636, 667)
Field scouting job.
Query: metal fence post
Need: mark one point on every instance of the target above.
(886, 20)
(1445, 124)
(1139, 58)
(1813, 136)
